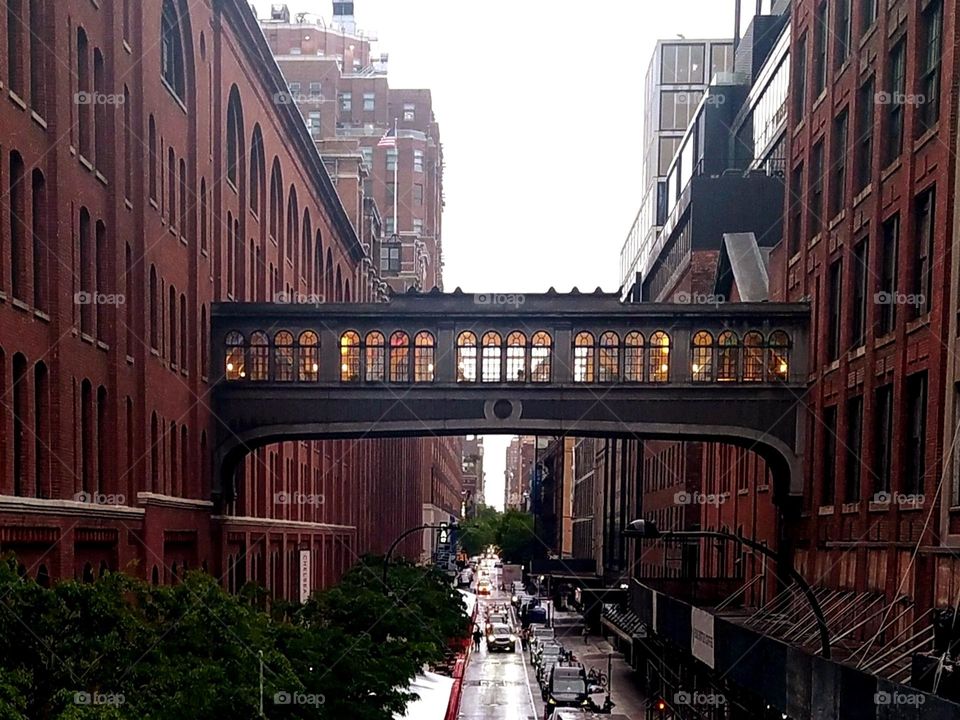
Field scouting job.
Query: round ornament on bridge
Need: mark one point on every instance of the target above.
(502, 409)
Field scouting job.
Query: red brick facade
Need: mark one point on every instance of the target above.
(183, 182)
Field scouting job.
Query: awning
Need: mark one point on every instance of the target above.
(622, 621)
(434, 697)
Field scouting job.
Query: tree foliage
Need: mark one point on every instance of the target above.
(511, 532)
(120, 648)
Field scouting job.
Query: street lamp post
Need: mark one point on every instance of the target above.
(648, 529)
(400, 538)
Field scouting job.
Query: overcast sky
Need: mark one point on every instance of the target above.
(540, 111)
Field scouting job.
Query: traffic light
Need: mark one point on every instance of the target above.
(660, 706)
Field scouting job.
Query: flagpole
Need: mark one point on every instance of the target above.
(396, 190)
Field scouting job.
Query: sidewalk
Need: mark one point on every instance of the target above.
(624, 690)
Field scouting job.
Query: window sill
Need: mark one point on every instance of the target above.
(891, 168)
(850, 508)
(41, 315)
(825, 510)
(153, 204)
(86, 163)
(17, 100)
(837, 219)
(812, 243)
(798, 128)
(155, 352)
(794, 260)
(858, 352)
(35, 116)
(19, 304)
(868, 33)
(885, 340)
(99, 176)
(763, 488)
(819, 101)
(926, 137)
(832, 365)
(102, 345)
(876, 507)
(173, 94)
(126, 201)
(84, 337)
(130, 360)
(126, 46)
(743, 491)
(918, 323)
(863, 194)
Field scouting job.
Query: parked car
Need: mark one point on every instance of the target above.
(483, 587)
(548, 646)
(566, 686)
(551, 656)
(539, 634)
(501, 639)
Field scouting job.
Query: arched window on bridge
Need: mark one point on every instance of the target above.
(633, 357)
(540, 357)
(728, 356)
(350, 357)
(423, 351)
(259, 356)
(584, 353)
(466, 357)
(492, 357)
(399, 357)
(778, 356)
(608, 367)
(307, 347)
(235, 365)
(753, 357)
(658, 358)
(701, 364)
(375, 363)
(516, 357)
(283, 356)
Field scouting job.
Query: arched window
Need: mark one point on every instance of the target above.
(753, 357)
(183, 201)
(293, 218)
(307, 346)
(633, 357)
(37, 38)
(658, 359)
(155, 446)
(84, 86)
(306, 232)
(171, 50)
(584, 353)
(541, 357)
(203, 341)
(152, 160)
(257, 169)
(701, 364)
(203, 215)
(259, 356)
(608, 367)
(15, 31)
(466, 357)
(172, 336)
(374, 360)
(728, 356)
(184, 333)
(399, 357)
(423, 351)
(516, 357)
(492, 357)
(350, 357)
(778, 356)
(235, 367)
(234, 137)
(128, 162)
(171, 187)
(99, 110)
(19, 269)
(283, 356)
(154, 309)
(276, 201)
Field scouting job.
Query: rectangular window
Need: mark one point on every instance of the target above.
(883, 439)
(313, 122)
(796, 209)
(417, 225)
(418, 194)
(916, 432)
(294, 88)
(682, 64)
(418, 160)
(886, 297)
(409, 112)
(833, 310)
(868, 13)
(390, 258)
(851, 480)
(391, 159)
(820, 49)
(800, 81)
(816, 190)
(895, 98)
(861, 271)
(315, 90)
(931, 49)
(367, 153)
(391, 191)
(838, 159)
(721, 59)
(388, 226)
(828, 459)
(369, 102)
(922, 280)
(864, 138)
(346, 102)
(667, 149)
(677, 108)
(841, 31)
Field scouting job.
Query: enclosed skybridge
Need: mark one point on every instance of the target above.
(551, 363)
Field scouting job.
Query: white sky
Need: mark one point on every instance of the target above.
(540, 110)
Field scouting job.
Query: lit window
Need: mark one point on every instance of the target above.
(540, 357)
(753, 357)
(659, 357)
(259, 356)
(235, 366)
(633, 357)
(309, 361)
(399, 357)
(349, 357)
(423, 352)
(728, 356)
(702, 365)
(609, 362)
(778, 356)
(466, 357)
(369, 101)
(583, 357)
(374, 357)
(283, 356)
(492, 353)
(516, 357)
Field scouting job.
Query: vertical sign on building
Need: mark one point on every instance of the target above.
(701, 636)
(304, 575)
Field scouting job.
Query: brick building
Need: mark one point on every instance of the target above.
(147, 172)
(473, 477)
(518, 472)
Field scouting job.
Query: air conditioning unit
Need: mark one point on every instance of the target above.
(280, 12)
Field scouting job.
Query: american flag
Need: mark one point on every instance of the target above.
(389, 139)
